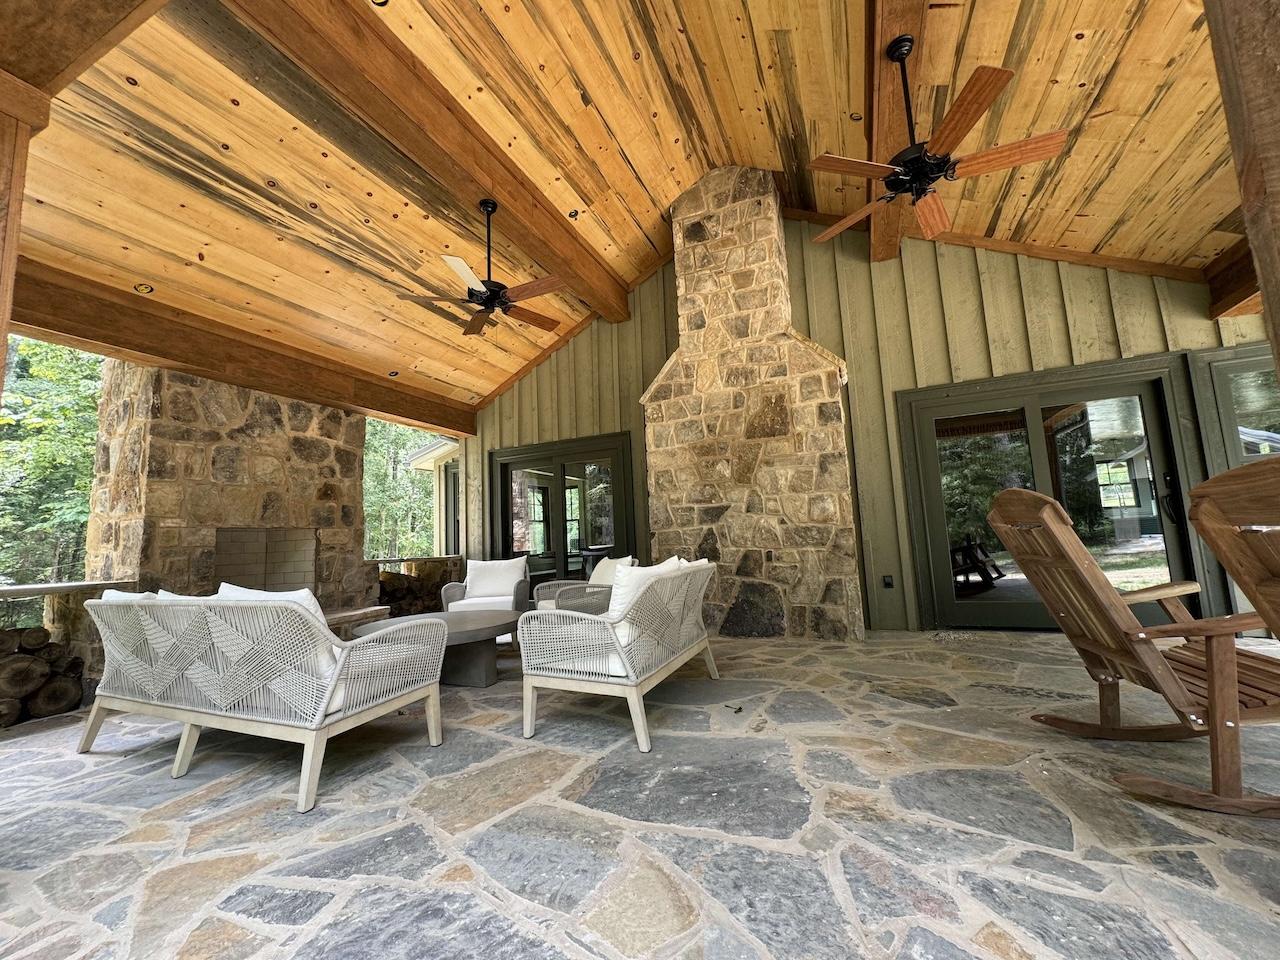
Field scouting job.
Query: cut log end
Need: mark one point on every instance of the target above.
(22, 674)
(10, 710)
(59, 695)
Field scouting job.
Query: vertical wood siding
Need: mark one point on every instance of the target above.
(938, 314)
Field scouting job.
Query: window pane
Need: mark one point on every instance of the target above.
(1255, 401)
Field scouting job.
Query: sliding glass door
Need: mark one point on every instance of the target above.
(1102, 452)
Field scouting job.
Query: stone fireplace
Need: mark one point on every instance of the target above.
(197, 482)
(748, 458)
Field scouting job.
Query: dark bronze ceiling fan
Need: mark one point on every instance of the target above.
(491, 297)
(914, 170)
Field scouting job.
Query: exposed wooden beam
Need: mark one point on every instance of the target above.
(15, 135)
(352, 52)
(23, 102)
(1146, 267)
(48, 43)
(50, 304)
(1243, 35)
(1233, 283)
(889, 132)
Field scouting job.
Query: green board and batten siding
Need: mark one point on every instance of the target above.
(938, 314)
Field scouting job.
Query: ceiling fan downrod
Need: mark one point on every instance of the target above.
(898, 50)
(488, 207)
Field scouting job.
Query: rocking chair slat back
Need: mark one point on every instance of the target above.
(1238, 515)
(1087, 608)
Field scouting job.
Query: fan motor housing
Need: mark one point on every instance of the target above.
(920, 171)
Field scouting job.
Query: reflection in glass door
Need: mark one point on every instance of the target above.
(1098, 455)
(589, 515)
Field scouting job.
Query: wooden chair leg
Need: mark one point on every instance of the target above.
(186, 748)
(1109, 704)
(312, 758)
(638, 720)
(97, 714)
(530, 706)
(1224, 716)
(435, 735)
(711, 662)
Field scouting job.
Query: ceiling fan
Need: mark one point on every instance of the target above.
(491, 297)
(915, 170)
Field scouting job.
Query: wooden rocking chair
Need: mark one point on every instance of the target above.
(1210, 685)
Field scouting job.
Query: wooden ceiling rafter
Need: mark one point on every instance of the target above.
(54, 305)
(1233, 283)
(351, 52)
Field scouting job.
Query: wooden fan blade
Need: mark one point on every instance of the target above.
(830, 163)
(932, 215)
(844, 223)
(475, 326)
(1046, 146)
(463, 270)
(534, 288)
(975, 99)
(534, 319)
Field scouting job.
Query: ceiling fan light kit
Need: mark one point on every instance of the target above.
(915, 169)
(492, 298)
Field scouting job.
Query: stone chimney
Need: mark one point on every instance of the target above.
(748, 461)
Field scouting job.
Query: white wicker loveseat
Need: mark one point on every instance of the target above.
(618, 653)
(265, 668)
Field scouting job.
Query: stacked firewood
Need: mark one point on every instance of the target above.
(38, 678)
(407, 595)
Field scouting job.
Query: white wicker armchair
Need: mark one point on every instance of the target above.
(625, 655)
(265, 668)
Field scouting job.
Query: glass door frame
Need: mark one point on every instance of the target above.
(616, 447)
(1171, 419)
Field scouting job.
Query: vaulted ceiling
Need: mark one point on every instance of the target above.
(198, 158)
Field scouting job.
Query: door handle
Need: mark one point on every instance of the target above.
(1167, 503)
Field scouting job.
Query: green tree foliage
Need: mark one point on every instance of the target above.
(48, 433)
(399, 504)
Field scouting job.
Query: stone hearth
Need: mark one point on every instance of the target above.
(748, 456)
(181, 458)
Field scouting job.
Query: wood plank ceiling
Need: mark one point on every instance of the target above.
(198, 159)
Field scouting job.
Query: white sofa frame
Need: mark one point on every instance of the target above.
(260, 668)
(566, 649)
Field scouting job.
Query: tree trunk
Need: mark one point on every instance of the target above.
(59, 695)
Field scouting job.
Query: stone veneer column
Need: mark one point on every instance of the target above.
(180, 456)
(748, 463)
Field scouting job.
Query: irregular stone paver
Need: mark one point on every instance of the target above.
(459, 802)
(643, 909)
(276, 904)
(883, 890)
(917, 694)
(392, 923)
(501, 827)
(1075, 927)
(1060, 868)
(738, 785)
(37, 837)
(519, 851)
(922, 944)
(831, 765)
(785, 901)
(406, 852)
(803, 706)
(994, 800)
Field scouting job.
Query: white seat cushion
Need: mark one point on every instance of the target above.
(615, 665)
(494, 578)
(629, 581)
(124, 596)
(603, 573)
(547, 604)
(484, 603)
(166, 595)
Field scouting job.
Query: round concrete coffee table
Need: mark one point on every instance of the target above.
(471, 655)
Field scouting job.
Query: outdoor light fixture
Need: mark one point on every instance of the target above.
(144, 288)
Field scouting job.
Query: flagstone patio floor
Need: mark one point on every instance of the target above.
(887, 800)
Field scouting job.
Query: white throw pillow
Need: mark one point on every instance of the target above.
(166, 595)
(602, 575)
(629, 581)
(124, 596)
(495, 578)
(304, 597)
(694, 563)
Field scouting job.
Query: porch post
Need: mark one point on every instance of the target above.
(1246, 47)
(15, 135)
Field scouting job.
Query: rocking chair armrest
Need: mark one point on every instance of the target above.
(1163, 591)
(1212, 627)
